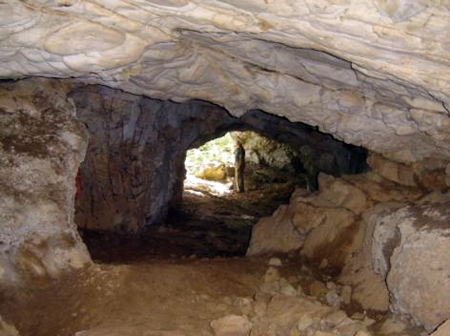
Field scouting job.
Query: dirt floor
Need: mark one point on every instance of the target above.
(177, 278)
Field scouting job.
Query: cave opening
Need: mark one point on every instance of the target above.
(134, 203)
(159, 256)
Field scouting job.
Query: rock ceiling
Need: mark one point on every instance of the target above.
(373, 73)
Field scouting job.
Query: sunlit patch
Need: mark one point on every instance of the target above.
(201, 187)
(209, 168)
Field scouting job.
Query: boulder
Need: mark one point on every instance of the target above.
(418, 255)
(274, 234)
(232, 325)
(319, 223)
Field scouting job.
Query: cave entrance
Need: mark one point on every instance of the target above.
(132, 206)
(210, 168)
(213, 212)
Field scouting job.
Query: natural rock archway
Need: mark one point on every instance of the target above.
(134, 167)
(370, 73)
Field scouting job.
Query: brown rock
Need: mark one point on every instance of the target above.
(317, 289)
(7, 329)
(232, 325)
(443, 330)
(393, 171)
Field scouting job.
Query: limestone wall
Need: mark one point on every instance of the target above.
(372, 73)
(134, 167)
(384, 233)
(41, 146)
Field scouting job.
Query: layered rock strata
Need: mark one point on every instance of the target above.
(134, 167)
(372, 73)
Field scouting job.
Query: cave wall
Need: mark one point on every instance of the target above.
(372, 73)
(133, 172)
(324, 152)
(385, 233)
(41, 146)
(134, 167)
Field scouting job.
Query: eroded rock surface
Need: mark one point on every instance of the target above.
(385, 239)
(371, 73)
(134, 167)
(41, 146)
(419, 272)
(443, 330)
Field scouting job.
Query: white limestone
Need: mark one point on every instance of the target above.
(372, 73)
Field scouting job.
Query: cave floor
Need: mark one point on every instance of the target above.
(181, 298)
(179, 277)
(207, 225)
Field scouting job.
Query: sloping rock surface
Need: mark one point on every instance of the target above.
(379, 236)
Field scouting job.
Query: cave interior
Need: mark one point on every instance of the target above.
(343, 109)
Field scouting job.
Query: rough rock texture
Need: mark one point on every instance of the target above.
(41, 146)
(377, 235)
(279, 308)
(418, 256)
(268, 152)
(326, 218)
(134, 167)
(7, 329)
(372, 73)
(330, 156)
(232, 325)
(129, 331)
(443, 330)
(282, 145)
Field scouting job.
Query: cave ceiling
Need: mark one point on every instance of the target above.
(373, 73)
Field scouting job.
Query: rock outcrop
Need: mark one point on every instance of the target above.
(283, 144)
(417, 254)
(387, 240)
(41, 147)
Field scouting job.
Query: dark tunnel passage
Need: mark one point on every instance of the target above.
(132, 203)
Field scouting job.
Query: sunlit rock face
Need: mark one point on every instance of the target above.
(289, 140)
(372, 73)
(41, 146)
